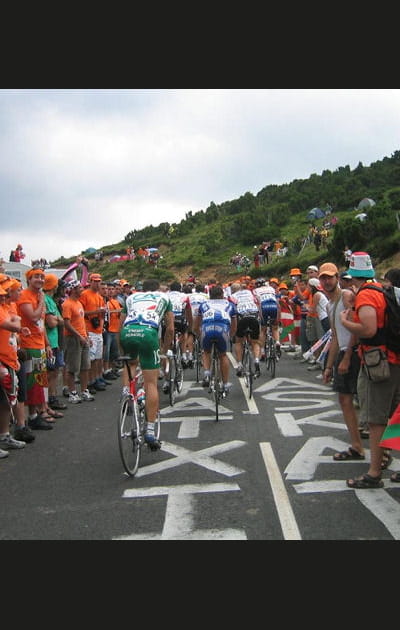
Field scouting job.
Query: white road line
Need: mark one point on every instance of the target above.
(251, 405)
(288, 522)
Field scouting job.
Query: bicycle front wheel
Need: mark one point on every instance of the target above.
(129, 435)
(215, 381)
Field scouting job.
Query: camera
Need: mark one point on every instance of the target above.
(95, 321)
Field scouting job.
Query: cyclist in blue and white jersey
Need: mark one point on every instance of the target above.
(249, 315)
(139, 337)
(216, 320)
(267, 300)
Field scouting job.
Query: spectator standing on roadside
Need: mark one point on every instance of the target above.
(343, 362)
(21, 432)
(9, 364)
(378, 400)
(111, 333)
(31, 308)
(54, 324)
(76, 343)
(95, 308)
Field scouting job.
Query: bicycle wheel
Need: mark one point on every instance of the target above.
(248, 369)
(197, 359)
(271, 361)
(178, 370)
(129, 435)
(172, 378)
(215, 380)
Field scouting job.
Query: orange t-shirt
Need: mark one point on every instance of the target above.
(36, 340)
(377, 301)
(115, 318)
(74, 311)
(92, 300)
(8, 342)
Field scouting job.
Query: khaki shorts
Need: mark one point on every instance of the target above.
(378, 400)
(76, 356)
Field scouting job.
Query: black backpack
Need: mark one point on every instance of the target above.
(12, 257)
(390, 334)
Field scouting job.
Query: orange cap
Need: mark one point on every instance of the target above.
(50, 281)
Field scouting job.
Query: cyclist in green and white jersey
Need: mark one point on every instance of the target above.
(139, 337)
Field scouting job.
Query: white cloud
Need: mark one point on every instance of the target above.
(81, 168)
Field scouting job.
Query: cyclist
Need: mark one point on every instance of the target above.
(195, 298)
(180, 308)
(267, 300)
(248, 316)
(139, 338)
(216, 320)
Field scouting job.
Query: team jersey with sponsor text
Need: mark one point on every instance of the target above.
(146, 308)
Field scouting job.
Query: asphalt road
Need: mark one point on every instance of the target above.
(264, 471)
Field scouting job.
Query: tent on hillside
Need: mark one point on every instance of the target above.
(365, 204)
(315, 213)
(362, 216)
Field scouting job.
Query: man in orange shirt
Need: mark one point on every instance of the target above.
(378, 399)
(95, 308)
(13, 288)
(111, 333)
(76, 350)
(9, 364)
(31, 308)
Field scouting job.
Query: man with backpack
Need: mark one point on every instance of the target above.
(378, 398)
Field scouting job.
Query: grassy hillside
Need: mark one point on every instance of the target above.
(203, 243)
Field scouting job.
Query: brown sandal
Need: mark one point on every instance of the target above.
(344, 456)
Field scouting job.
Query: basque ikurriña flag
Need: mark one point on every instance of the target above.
(391, 435)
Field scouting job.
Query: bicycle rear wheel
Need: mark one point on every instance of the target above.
(215, 380)
(179, 371)
(129, 435)
(248, 369)
(172, 379)
(271, 357)
(197, 359)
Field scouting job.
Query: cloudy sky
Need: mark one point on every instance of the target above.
(82, 168)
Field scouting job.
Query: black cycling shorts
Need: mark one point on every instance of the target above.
(250, 322)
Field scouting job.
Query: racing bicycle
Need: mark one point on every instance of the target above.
(216, 387)
(174, 369)
(248, 362)
(197, 357)
(270, 350)
(132, 422)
